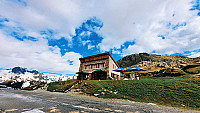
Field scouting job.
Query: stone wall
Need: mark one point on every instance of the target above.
(105, 68)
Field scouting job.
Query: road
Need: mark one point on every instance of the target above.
(40, 101)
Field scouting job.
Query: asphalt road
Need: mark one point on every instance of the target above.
(39, 101)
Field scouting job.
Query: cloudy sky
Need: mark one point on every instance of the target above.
(51, 35)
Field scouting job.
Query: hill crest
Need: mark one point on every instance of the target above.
(149, 60)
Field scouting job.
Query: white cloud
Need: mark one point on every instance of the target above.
(37, 55)
(153, 21)
(124, 20)
(194, 54)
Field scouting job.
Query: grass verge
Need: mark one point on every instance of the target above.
(60, 86)
(176, 92)
(171, 91)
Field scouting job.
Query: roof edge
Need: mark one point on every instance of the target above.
(107, 53)
(95, 55)
(113, 59)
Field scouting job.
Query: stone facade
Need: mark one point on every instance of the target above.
(103, 62)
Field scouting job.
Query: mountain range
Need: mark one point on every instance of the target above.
(21, 70)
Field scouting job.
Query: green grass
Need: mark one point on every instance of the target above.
(60, 86)
(171, 91)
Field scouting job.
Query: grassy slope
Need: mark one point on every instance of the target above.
(194, 70)
(180, 92)
(60, 86)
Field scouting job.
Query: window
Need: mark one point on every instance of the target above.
(94, 66)
(101, 66)
(87, 67)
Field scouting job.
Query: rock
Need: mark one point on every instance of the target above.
(103, 93)
(195, 76)
(163, 64)
(151, 104)
(96, 95)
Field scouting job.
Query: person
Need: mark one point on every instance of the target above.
(137, 77)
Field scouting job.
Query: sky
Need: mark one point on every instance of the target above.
(51, 35)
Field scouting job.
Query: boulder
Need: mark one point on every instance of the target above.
(195, 76)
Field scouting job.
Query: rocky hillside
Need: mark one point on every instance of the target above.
(154, 61)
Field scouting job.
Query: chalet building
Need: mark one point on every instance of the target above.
(98, 67)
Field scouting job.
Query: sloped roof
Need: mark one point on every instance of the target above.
(98, 57)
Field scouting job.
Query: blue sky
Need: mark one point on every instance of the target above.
(51, 36)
